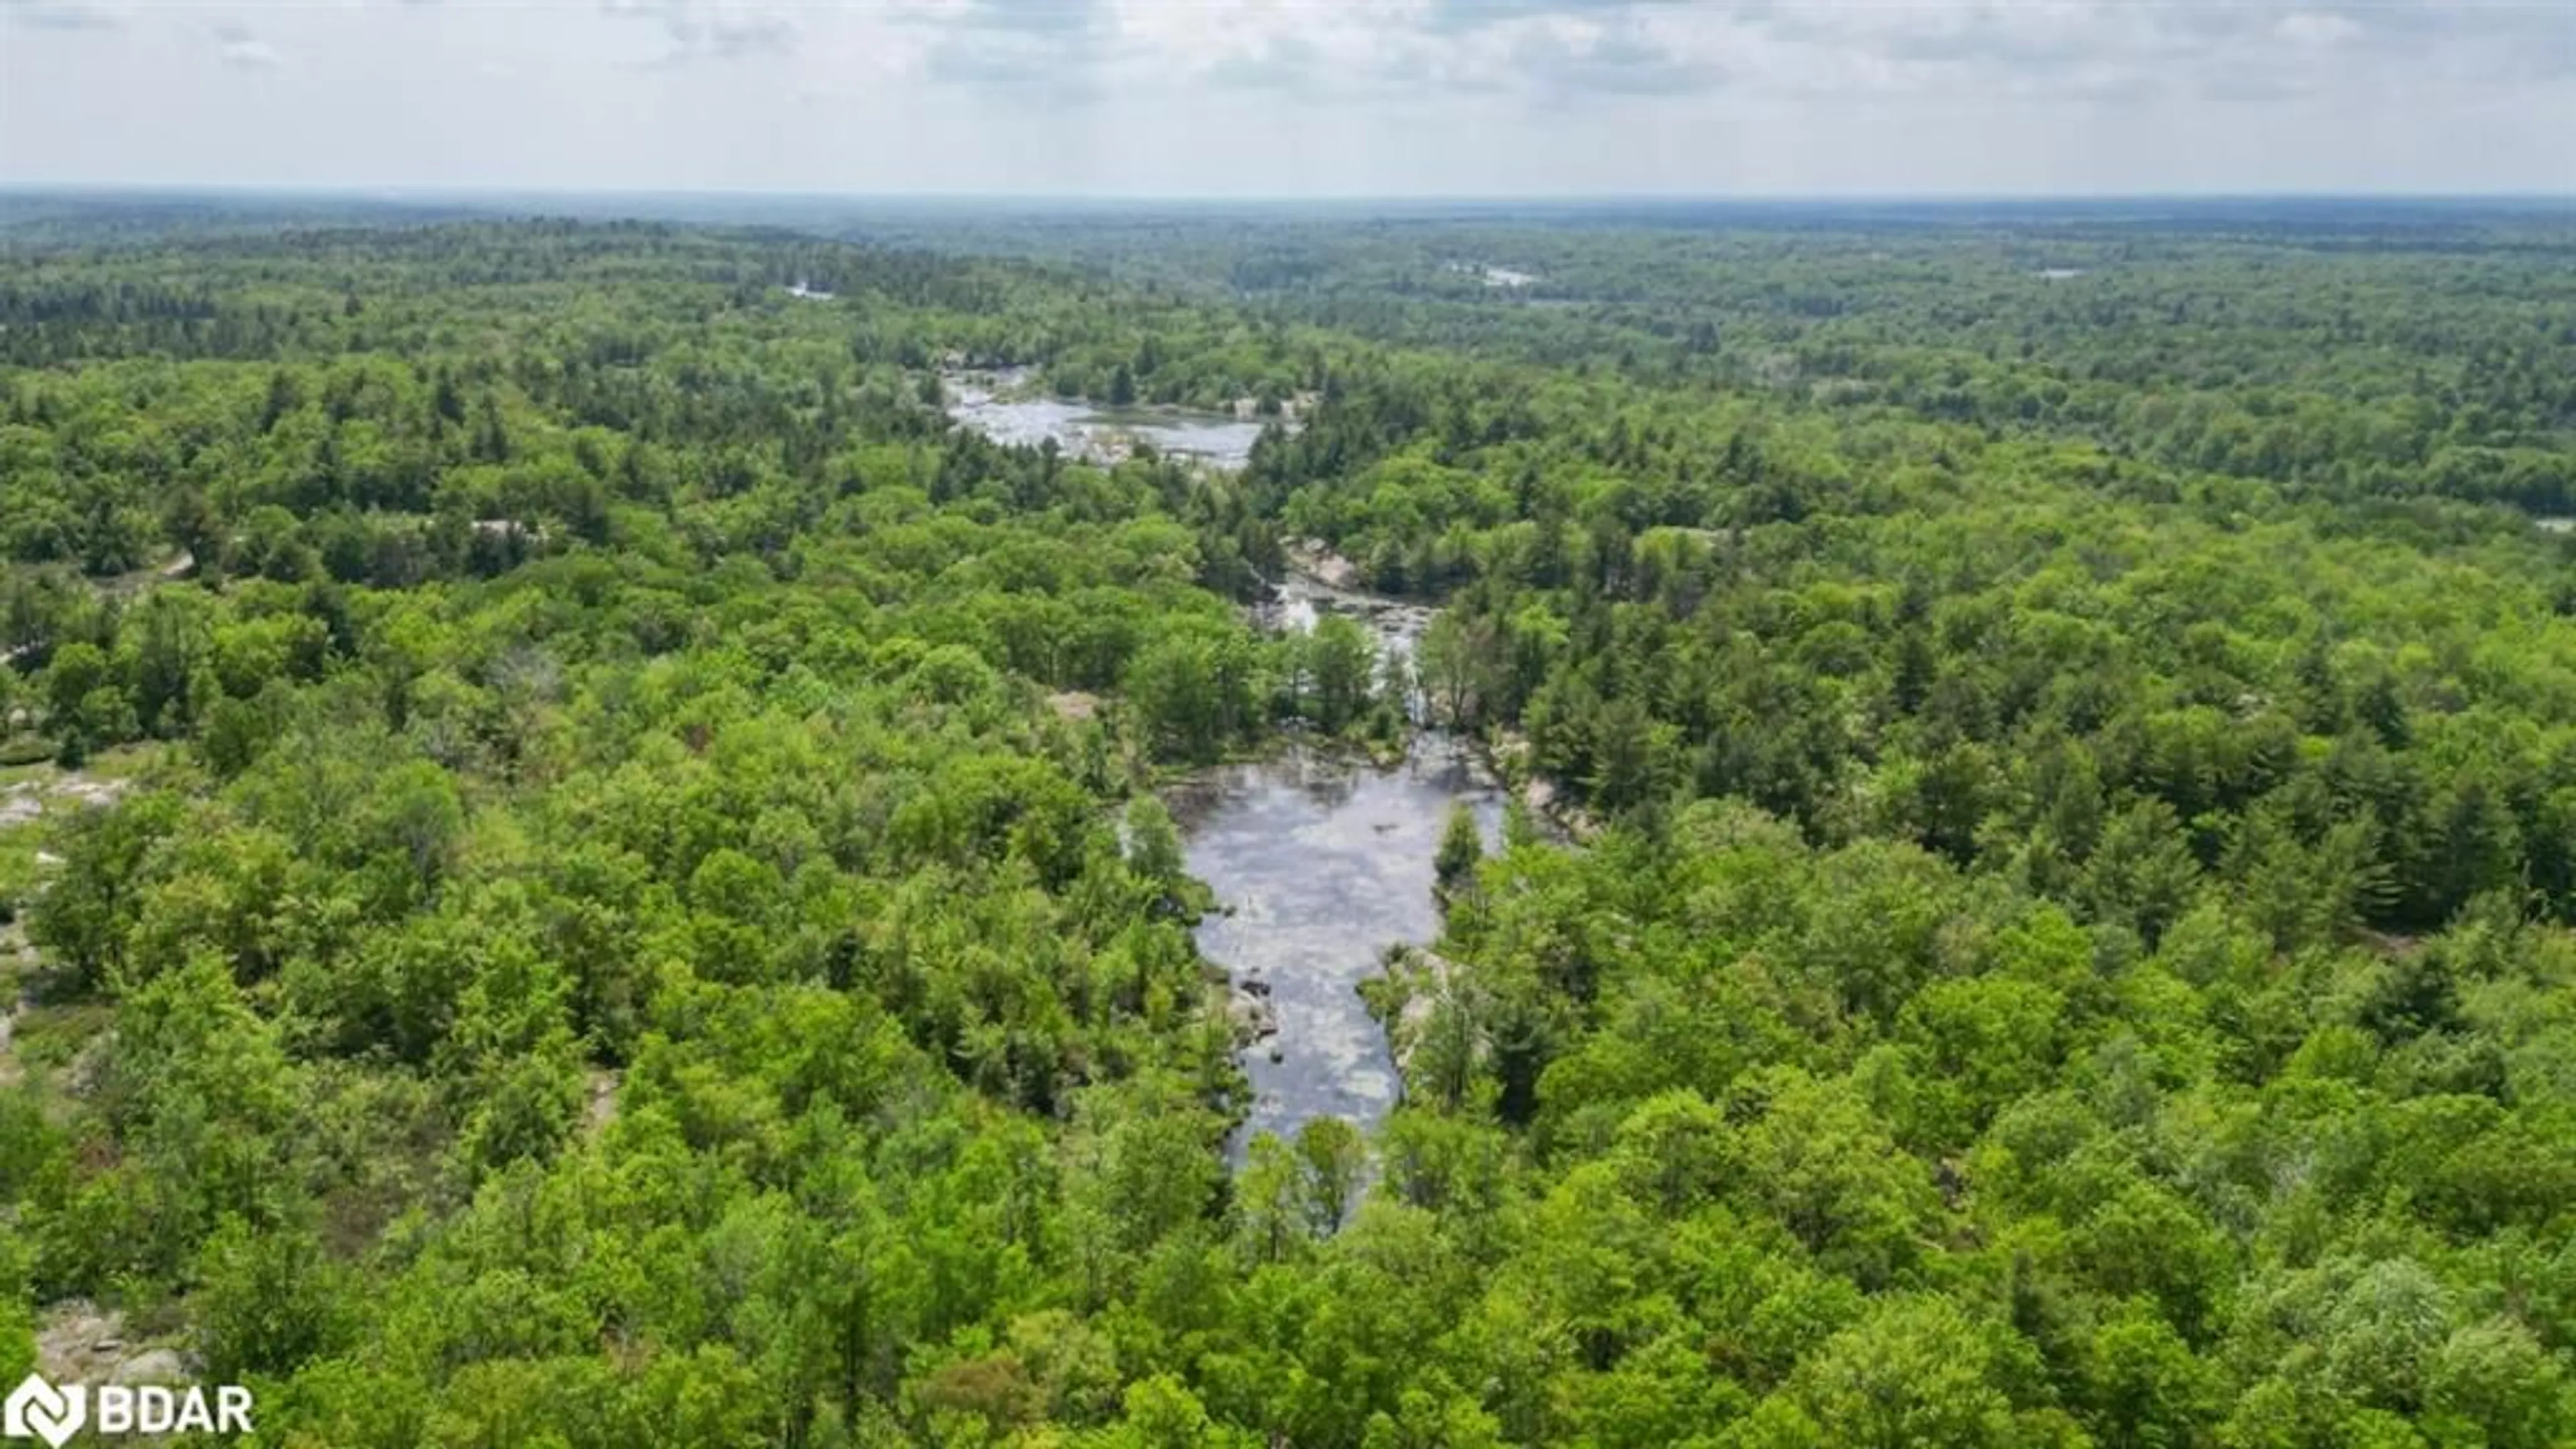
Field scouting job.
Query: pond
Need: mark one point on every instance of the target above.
(1008, 407)
(1509, 278)
(1320, 860)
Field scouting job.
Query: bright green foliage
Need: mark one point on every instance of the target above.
(1462, 846)
(637, 912)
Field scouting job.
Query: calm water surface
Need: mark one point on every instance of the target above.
(1325, 859)
(1003, 406)
(1320, 859)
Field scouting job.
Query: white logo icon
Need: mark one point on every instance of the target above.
(37, 1410)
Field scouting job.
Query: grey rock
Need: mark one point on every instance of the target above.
(152, 1366)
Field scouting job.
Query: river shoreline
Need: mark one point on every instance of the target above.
(1318, 851)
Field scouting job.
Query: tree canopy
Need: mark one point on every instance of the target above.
(628, 904)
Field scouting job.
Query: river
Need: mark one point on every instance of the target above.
(1320, 859)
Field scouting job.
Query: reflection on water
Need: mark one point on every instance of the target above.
(1493, 276)
(1005, 407)
(1325, 860)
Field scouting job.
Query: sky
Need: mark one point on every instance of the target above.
(1295, 98)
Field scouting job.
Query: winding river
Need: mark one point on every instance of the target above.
(1320, 860)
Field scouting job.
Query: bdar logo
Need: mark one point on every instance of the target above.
(37, 1410)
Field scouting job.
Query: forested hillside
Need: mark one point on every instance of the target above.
(591, 870)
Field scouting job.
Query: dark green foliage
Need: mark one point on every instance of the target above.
(638, 913)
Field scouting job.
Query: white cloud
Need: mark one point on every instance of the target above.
(1349, 96)
(242, 50)
(65, 15)
(712, 29)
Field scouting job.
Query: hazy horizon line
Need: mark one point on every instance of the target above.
(396, 191)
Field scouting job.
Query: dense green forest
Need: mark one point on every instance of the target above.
(2359, 349)
(586, 870)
